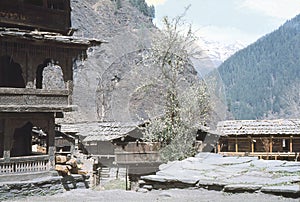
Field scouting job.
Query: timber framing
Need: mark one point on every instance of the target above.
(32, 48)
(37, 55)
(275, 139)
(53, 15)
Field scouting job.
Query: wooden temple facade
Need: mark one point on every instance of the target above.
(34, 35)
(268, 139)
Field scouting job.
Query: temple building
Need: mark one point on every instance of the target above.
(36, 80)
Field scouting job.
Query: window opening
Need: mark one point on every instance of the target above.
(56, 4)
(34, 2)
(10, 73)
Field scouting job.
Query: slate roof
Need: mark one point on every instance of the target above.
(105, 131)
(259, 127)
(47, 36)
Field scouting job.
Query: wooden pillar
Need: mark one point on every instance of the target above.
(66, 64)
(219, 147)
(252, 145)
(45, 5)
(70, 92)
(291, 143)
(8, 138)
(236, 145)
(32, 63)
(51, 140)
(271, 144)
(1, 137)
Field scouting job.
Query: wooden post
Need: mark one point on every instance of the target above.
(126, 180)
(70, 92)
(8, 138)
(271, 144)
(219, 147)
(252, 146)
(291, 143)
(236, 145)
(51, 140)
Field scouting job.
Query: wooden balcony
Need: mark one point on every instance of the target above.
(35, 100)
(30, 16)
(28, 164)
(137, 157)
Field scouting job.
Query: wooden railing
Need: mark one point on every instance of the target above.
(137, 157)
(26, 96)
(25, 164)
(272, 155)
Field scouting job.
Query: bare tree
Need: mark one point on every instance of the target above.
(185, 102)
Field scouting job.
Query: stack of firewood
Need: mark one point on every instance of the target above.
(67, 165)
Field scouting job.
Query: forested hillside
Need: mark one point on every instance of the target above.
(262, 80)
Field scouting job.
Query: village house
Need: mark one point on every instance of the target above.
(269, 139)
(117, 148)
(36, 81)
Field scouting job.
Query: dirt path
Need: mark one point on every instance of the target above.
(161, 195)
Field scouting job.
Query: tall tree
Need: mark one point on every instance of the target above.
(186, 102)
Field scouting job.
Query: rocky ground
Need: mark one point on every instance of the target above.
(230, 174)
(157, 195)
(205, 177)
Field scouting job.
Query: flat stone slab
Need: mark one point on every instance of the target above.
(242, 188)
(282, 189)
(230, 174)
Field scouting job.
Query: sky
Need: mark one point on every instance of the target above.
(230, 21)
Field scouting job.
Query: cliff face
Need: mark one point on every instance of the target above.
(125, 29)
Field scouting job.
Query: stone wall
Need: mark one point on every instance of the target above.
(31, 188)
(42, 187)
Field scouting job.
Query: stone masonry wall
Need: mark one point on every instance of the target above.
(42, 187)
(31, 188)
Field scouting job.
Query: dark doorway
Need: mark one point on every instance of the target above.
(10, 73)
(22, 141)
(285, 145)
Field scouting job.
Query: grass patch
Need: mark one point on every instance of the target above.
(112, 185)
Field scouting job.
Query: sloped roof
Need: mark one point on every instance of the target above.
(47, 36)
(259, 127)
(105, 131)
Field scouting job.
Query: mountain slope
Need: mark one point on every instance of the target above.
(214, 54)
(125, 29)
(260, 79)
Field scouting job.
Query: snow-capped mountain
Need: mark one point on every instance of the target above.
(215, 53)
